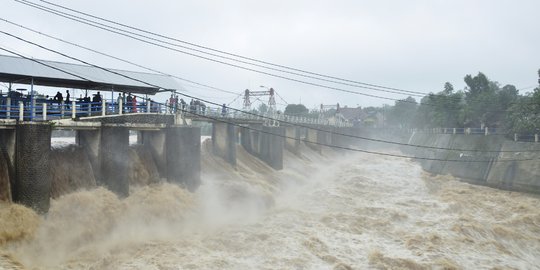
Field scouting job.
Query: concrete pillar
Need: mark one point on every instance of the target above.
(337, 139)
(90, 141)
(73, 110)
(8, 108)
(292, 140)
(272, 144)
(114, 156)
(44, 113)
(155, 142)
(312, 139)
(7, 163)
(224, 141)
(32, 185)
(246, 139)
(21, 111)
(183, 151)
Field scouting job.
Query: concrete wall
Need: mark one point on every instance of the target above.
(32, 185)
(224, 139)
(7, 163)
(292, 140)
(154, 141)
(114, 155)
(312, 138)
(139, 118)
(184, 156)
(498, 172)
(89, 141)
(271, 147)
(517, 175)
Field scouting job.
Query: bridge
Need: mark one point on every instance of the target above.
(103, 127)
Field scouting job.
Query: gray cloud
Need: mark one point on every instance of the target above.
(415, 45)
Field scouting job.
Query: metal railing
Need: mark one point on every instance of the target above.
(518, 137)
(45, 110)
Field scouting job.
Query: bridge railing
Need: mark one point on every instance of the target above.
(44, 110)
(486, 131)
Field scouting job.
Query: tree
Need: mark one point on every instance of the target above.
(476, 85)
(403, 113)
(448, 88)
(483, 103)
(296, 109)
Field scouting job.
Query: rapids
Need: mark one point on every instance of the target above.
(331, 211)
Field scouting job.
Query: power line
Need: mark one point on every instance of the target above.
(115, 57)
(106, 28)
(281, 121)
(227, 53)
(116, 31)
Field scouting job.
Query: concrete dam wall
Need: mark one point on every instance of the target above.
(519, 170)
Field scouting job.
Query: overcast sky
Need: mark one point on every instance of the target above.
(412, 45)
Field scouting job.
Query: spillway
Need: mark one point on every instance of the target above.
(329, 210)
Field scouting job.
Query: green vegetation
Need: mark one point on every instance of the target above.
(481, 103)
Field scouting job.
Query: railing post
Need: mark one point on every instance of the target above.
(45, 111)
(21, 111)
(61, 109)
(73, 110)
(89, 108)
(486, 131)
(120, 106)
(103, 107)
(535, 137)
(8, 104)
(454, 130)
(515, 137)
(148, 106)
(33, 101)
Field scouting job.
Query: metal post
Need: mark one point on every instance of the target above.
(103, 107)
(486, 131)
(120, 107)
(8, 110)
(515, 137)
(45, 111)
(535, 137)
(89, 108)
(33, 102)
(21, 111)
(454, 131)
(73, 110)
(62, 108)
(148, 102)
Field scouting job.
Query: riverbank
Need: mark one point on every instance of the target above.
(518, 170)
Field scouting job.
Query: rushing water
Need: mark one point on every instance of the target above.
(335, 211)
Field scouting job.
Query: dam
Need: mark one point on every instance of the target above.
(255, 196)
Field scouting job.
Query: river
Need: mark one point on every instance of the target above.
(332, 211)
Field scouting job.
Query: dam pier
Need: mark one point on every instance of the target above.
(105, 141)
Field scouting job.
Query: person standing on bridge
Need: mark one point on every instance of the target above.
(182, 105)
(223, 110)
(134, 104)
(58, 98)
(68, 100)
(129, 102)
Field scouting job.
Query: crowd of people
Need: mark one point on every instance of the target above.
(195, 106)
(87, 105)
